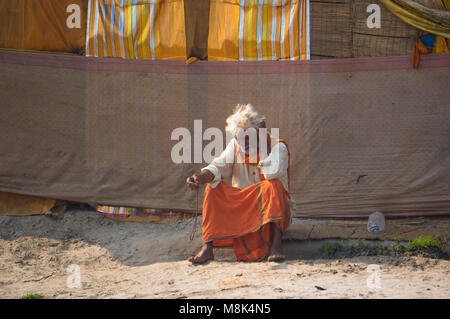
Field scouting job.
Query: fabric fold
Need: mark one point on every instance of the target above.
(239, 218)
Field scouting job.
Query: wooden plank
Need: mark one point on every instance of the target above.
(348, 229)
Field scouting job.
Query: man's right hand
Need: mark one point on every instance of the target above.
(194, 181)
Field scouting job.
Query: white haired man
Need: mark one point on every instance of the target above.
(251, 214)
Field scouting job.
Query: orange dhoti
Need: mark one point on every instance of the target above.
(240, 218)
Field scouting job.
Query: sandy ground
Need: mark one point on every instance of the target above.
(136, 260)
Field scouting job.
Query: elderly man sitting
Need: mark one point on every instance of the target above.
(251, 214)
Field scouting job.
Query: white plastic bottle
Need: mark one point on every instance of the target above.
(376, 222)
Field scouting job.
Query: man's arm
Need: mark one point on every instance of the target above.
(276, 164)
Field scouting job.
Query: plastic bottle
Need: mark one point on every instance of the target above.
(376, 222)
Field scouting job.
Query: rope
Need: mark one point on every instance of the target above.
(194, 229)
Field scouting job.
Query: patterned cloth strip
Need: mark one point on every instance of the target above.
(136, 29)
(127, 211)
(116, 211)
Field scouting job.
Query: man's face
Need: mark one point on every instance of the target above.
(249, 141)
(247, 144)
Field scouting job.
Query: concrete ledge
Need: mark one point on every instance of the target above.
(405, 228)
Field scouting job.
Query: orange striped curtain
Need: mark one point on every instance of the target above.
(136, 29)
(258, 30)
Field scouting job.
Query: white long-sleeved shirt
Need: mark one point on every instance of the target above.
(274, 166)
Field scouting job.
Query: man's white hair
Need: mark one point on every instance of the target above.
(244, 116)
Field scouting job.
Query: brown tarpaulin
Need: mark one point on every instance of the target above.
(365, 134)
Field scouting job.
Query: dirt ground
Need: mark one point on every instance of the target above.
(136, 260)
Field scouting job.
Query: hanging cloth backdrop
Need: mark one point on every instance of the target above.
(364, 134)
(136, 29)
(227, 30)
(258, 30)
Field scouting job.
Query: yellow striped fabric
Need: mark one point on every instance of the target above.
(136, 29)
(258, 30)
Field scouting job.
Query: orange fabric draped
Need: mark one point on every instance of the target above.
(240, 218)
(418, 49)
(43, 25)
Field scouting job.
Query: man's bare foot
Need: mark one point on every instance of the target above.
(276, 251)
(205, 254)
(276, 255)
